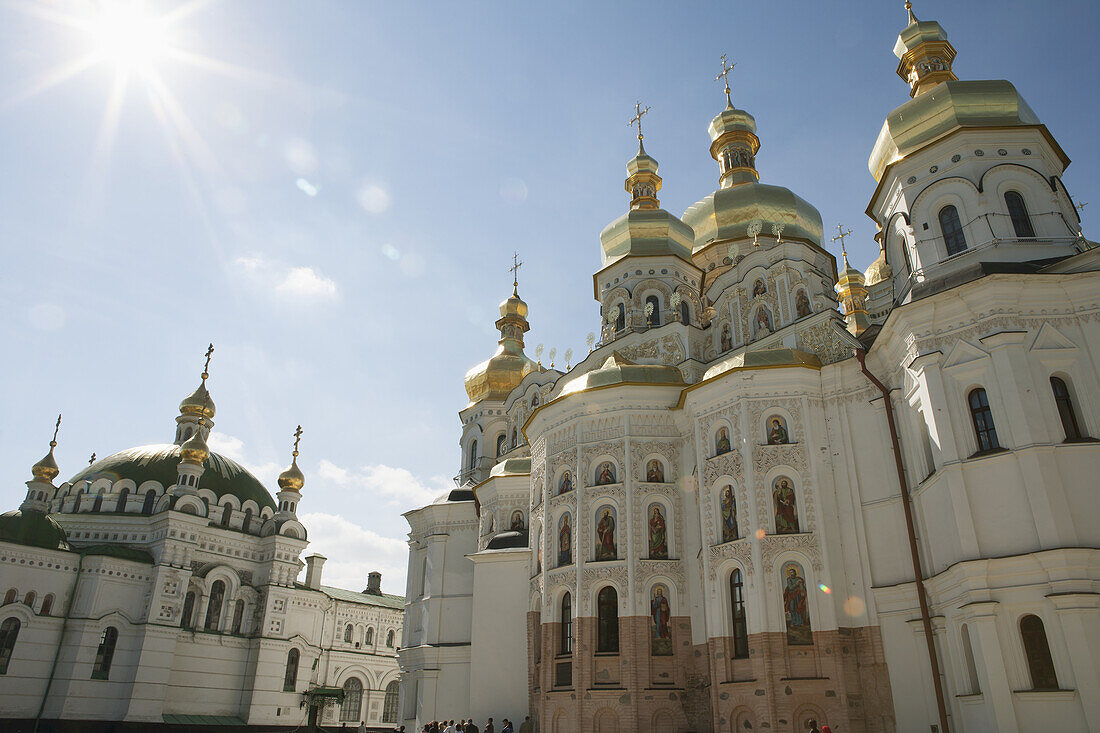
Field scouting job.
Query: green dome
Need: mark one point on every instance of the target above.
(159, 462)
(32, 528)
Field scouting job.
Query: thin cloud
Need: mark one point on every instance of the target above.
(353, 552)
(398, 486)
(301, 283)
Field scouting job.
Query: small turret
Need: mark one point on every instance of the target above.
(196, 408)
(926, 54)
(291, 482)
(193, 455)
(40, 488)
(852, 291)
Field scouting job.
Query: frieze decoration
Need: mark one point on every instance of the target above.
(653, 427)
(668, 490)
(537, 485)
(560, 440)
(668, 349)
(593, 575)
(740, 550)
(611, 491)
(564, 575)
(568, 499)
(774, 545)
(726, 464)
(563, 459)
(606, 429)
(672, 569)
(821, 340)
(670, 451)
(613, 449)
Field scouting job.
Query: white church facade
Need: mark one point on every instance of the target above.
(157, 590)
(775, 493)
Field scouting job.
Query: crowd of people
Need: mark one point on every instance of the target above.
(469, 726)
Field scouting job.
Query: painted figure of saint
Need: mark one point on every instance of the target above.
(566, 483)
(729, 515)
(763, 321)
(517, 521)
(801, 304)
(605, 535)
(538, 561)
(565, 541)
(759, 288)
(662, 614)
(727, 339)
(777, 431)
(722, 441)
(655, 472)
(796, 610)
(490, 524)
(658, 534)
(606, 474)
(786, 512)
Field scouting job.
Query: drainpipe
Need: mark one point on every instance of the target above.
(922, 596)
(60, 638)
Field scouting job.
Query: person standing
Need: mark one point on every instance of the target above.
(507, 727)
(489, 726)
(471, 728)
(527, 726)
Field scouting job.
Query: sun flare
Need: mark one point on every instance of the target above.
(125, 34)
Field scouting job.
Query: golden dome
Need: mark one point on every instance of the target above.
(514, 306)
(496, 378)
(617, 369)
(198, 402)
(292, 478)
(878, 271)
(46, 469)
(194, 450)
(646, 232)
(728, 212)
(849, 275)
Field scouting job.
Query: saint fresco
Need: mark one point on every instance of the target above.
(565, 540)
(801, 304)
(655, 472)
(729, 515)
(777, 431)
(727, 340)
(759, 288)
(605, 534)
(763, 321)
(722, 441)
(662, 615)
(796, 609)
(786, 511)
(658, 533)
(566, 483)
(517, 521)
(606, 474)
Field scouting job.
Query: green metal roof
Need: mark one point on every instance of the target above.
(120, 551)
(159, 462)
(171, 719)
(385, 599)
(33, 529)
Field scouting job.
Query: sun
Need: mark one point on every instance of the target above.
(126, 35)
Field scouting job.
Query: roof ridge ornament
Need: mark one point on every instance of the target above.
(909, 8)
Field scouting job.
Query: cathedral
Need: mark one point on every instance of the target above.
(780, 492)
(157, 590)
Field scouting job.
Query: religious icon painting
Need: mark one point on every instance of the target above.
(566, 483)
(786, 508)
(796, 608)
(605, 474)
(655, 472)
(606, 547)
(759, 288)
(538, 561)
(729, 515)
(722, 441)
(762, 324)
(777, 431)
(661, 612)
(517, 521)
(565, 540)
(658, 533)
(801, 304)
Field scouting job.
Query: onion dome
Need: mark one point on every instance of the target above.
(496, 378)
(33, 529)
(292, 479)
(852, 293)
(925, 55)
(194, 450)
(199, 403)
(620, 370)
(878, 271)
(46, 470)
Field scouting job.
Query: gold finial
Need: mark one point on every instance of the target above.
(92, 459)
(46, 469)
(724, 76)
(841, 235)
(206, 366)
(292, 479)
(639, 113)
(514, 269)
(909, 8)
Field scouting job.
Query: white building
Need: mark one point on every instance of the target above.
(158, 586)
(745, 508)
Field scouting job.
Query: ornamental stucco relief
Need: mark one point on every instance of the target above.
(774, 545)
(640, 450)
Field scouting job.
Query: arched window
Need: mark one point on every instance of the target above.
(968, 658)
(290, 679)
(737, 607)
(904, 247)
(28, 600)
(238, 616)
(1017, 210)
(101, 669)
(566, 624)
(473, 455)
(982, 416)
(120, 505)
(952, 230)
(246, 524)
(370, 636)
(1064, 402)
(389, 639)
(685, 313)
(147, 505)
(353, 700)
(9, 632)
(227, 514)
(655, 316)
(423, 577)
(620, 317)
(98, 500)
(47, 605)
(348, 631)
(1037, 652)
(214, 606)
(188, 609)
(389, 703)
(607, 620)
(10, 596)
(501, 444)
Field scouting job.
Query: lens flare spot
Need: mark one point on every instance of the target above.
(761, 534)
(306, 187)
(374, 199)
(391, 252)
(824, 588)
(854, 606)
(513, 189)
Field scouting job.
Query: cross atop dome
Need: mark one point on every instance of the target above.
(639, 113)
(514, 269)
(724, 76)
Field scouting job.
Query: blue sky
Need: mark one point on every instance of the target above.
(331, 192)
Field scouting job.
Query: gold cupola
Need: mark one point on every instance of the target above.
(199, 403)
(292, 479)
(880, 269)
(194, 450)
(46, 470)
(496, 378)
(925, 54)
(852, 294)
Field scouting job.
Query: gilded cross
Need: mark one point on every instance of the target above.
(92, 459)
(56, 427)
(727, 67)
(1081, 206)
(297, 439)
(639, 113)
(841, 235)
(514, 269)
(206, 366)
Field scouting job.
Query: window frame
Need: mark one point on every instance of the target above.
(981, 419)
(290, 676)
(348, 715)
(952, 230)
(105, 654)
(1018, 213)
(565, 637)
(1034, 657)
(1063, 403)
(607, 626)
(9, 636)
(739, 627)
